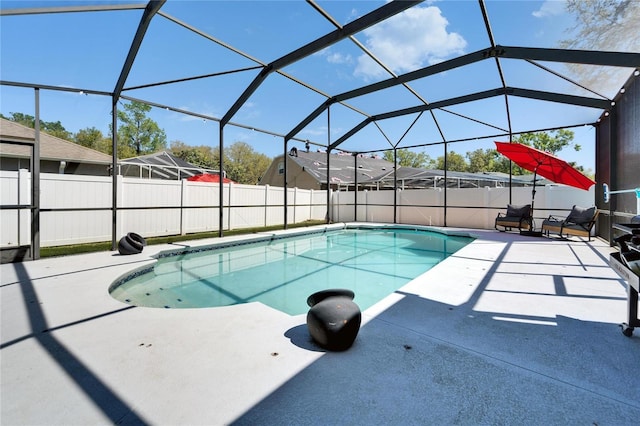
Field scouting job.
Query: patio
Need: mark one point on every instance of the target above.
(509, 330)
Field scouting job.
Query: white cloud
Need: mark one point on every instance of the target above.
(410, 40)
(321, 131)
(353, 15)
(338, 58)
(250, 110)
(334, 57)
(550, 8)
(202, 109)
(315, 132)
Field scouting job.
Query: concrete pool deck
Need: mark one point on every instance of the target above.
(509, 330)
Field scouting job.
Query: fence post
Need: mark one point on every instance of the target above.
(183, 194)
(441, 206)
(487, 212)
(366, 205)
(229, 206)
(24, 197)
(399, 206)
(120, 216)
(266, 203)
(295, 202)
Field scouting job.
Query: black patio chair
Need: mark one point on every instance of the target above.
(578, 223)
(517, 217)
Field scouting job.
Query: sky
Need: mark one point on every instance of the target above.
(87, 51)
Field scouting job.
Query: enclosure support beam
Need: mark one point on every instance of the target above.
(513, 91)
(329, 216)
(391, 82)
(35, 184)
(395, 184)
(355, 186)
(613, 167)
(618, 59)
(388, 10)
(114, 173)
(221, 186)
(286, 184)
(446, 166)
(149, 12)
(589, 57)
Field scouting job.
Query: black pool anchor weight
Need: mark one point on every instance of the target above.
(334, 319)
(131, 243)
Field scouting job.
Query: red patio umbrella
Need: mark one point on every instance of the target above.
(543, 164)
(208, 177)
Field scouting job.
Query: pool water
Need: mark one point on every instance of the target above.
(283, 272)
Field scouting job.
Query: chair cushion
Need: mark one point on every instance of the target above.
(518, 211)
(581, 215)
(552, 222)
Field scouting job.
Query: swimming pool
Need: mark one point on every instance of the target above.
(281, 271)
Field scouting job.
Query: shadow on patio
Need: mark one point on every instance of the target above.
(508, 330)
(519, 350)
(103, 397)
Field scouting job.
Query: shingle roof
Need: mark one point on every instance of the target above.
(51, 147)
(342, 167)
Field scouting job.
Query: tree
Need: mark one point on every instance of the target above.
(138, 132)
(606, 25)
(551, 142)
(455, 162)
(21, 118)
(481, 160)
(53, 128)
(88, 137)
(242, 163)
(408, 158)
(94, 139)
(501, 165)
(197, 155)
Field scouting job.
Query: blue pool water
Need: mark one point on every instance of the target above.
(283, 272)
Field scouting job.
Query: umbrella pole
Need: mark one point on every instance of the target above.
(533, 191)
(531, 231)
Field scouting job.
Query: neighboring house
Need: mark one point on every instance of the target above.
(56, 155)
(308, 170)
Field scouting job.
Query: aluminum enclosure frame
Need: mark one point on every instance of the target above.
(388, 10)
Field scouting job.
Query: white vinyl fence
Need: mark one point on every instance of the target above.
(77, 209)
(466, 207)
